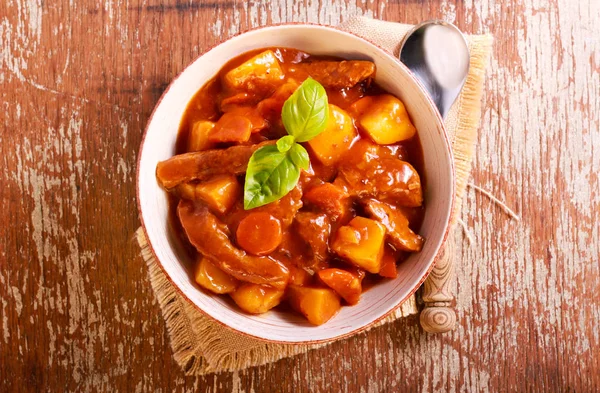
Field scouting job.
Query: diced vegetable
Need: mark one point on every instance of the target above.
(388, 265)
(260, 73)
(219, 193)
(214, 279)
(259, 233)
(231, 127)
(318, 305)
(339, 133)
(256, 299)
(198, 137)
(386, 120)
(330, 198)
(346, 284)
(361, 242)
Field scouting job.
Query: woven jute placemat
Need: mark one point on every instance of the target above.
(202, 346)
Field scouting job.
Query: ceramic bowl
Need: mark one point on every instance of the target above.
(159, 144)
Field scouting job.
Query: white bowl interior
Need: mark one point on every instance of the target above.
(159, 145)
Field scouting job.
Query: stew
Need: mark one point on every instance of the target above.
(297, 180)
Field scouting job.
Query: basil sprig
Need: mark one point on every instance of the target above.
(274, 170)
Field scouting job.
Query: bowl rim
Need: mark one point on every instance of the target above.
(434, 260)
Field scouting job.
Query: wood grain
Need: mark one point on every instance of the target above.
(78, 83)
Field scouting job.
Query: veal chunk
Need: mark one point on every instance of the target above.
(368, 170)
(283, 209)
(339, 74)
(330, 199)
(314, 229)
(209, 236)
(203, 165)
(396, 224)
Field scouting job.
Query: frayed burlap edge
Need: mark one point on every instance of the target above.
(465, 116)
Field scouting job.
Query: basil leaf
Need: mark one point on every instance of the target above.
(271, 174)
(284, 144)
(299, 156)
(305, 113)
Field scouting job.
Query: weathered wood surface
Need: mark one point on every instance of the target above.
(78, 82)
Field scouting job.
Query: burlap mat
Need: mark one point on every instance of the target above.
(202, 346)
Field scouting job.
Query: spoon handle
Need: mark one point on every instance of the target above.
(439, 316)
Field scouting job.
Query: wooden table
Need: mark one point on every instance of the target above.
(78, 82)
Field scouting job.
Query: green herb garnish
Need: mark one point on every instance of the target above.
(274, 170)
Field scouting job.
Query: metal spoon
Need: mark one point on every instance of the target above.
(438, 54)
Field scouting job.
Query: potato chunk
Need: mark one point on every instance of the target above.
(336, 138)
(260, 73)
(386, 120)
(361, 242)
(219, 193)
(346, 284)
(214, 279)
(198, 137)
(318, 305)
(231, 127)
(256, 299)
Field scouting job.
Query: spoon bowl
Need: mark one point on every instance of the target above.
(438, 55)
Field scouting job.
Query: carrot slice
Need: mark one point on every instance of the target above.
(231, 128)
(388, 265)
(346, 284)
(259, 233)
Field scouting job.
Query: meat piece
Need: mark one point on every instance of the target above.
(398, 231)
(202, 165)
(237, 100)
(368, 171)
(366, 150)
(330, 199)
(271, 107)
(338, 74)
(314, 229)
(209, 236)
(284, 209)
